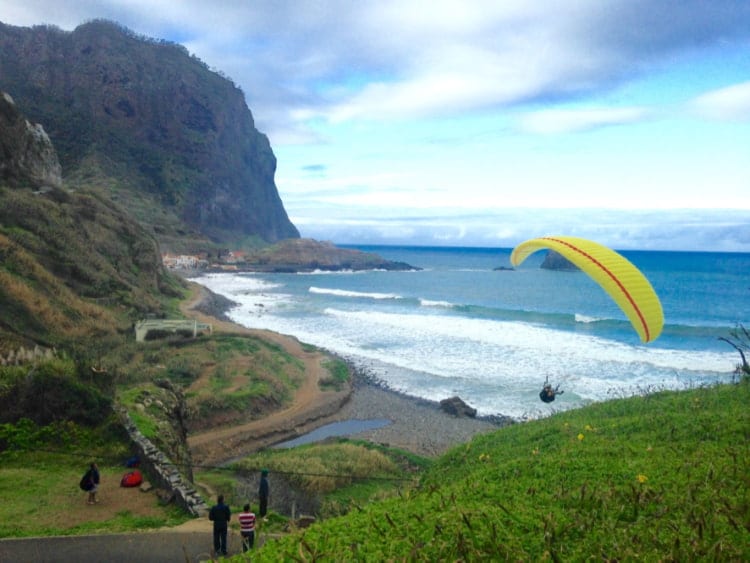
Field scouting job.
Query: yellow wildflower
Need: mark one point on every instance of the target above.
(580, 436)
(642, 478)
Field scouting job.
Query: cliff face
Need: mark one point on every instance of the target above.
(27, 156)
(152, 115)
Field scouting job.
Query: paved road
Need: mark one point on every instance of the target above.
(114, 548)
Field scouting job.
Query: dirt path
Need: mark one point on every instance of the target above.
(310, 408)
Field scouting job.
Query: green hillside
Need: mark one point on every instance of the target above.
(659, 478)
(74, 266)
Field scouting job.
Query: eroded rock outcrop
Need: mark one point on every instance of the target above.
(27, 157)
(457, 407)
(164, 405)
(556, 261)
(165, 455)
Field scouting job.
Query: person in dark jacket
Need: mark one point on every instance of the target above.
(547, 394)
(220, 516)
(92, 478)
(263, 491)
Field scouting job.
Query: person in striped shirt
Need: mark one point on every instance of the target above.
(247, 528)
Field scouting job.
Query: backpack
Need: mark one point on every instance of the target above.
(132, 479)
(85, 483)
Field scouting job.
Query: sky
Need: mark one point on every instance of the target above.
(481, 123)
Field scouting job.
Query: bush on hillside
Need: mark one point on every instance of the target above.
(50, 391)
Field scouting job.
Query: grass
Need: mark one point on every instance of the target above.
(340, 375)
(661, 477)
(41, 497)
(227, 377)
(341, 475)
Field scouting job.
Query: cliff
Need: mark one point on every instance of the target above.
(27, 156)
(174, 141)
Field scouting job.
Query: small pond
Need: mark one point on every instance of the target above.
(343, 428)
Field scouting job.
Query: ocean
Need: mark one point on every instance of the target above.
(460, 327)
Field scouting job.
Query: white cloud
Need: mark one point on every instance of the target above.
(555, 121)
(680, 229)
(378, 59)
(726, 104)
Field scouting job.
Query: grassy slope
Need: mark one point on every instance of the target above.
(659, 477)
(39, 478)
(227, 379)
(73, 266)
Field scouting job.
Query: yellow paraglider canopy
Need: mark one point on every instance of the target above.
(624, 283)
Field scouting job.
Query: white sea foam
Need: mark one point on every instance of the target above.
(431, 303)
(225, 284)
(348, 293)
(585, 319)
(496, 366)
(249, 293)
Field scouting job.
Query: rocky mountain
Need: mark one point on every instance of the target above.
(26, 153)
(173, 141)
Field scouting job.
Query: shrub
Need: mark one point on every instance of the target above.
(49, 392)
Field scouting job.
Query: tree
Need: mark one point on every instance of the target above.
(740, 341)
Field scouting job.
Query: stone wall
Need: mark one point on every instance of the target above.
(163, 472)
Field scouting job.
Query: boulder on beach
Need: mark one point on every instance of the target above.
(457, 407)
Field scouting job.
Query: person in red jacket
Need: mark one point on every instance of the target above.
(247, 528)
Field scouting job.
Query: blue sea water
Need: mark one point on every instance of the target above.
(460, 327)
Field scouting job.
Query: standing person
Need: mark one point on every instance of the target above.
(90, 483)
(220, 516)
(263, 491)
(247, 528)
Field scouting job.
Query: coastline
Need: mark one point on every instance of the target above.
(416, 425)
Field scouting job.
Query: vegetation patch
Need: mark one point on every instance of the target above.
(339, 372)
(334, 477)
(224, 378)
(51, 390)
(661, 477)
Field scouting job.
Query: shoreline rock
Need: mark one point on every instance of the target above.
(416, 424)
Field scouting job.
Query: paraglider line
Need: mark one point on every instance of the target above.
(611, 275)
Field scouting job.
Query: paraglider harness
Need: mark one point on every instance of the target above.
(547, 394)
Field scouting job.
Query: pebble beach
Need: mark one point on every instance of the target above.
(415, 425)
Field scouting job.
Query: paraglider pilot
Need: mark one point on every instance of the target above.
(547, 394)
